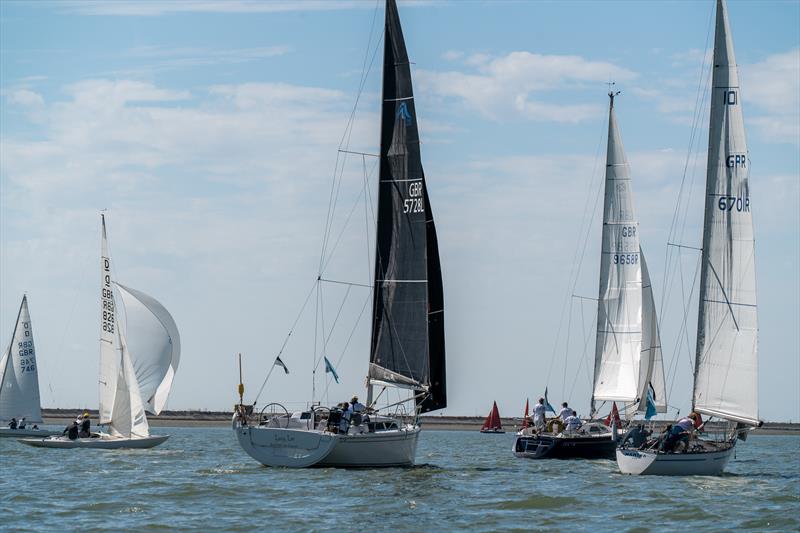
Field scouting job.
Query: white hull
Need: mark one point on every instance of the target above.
(104, 442)
(649, 462)
(17, 433)
(300, 448)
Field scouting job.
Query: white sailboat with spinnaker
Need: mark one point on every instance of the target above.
(726, 356)
(407, 350)
(19, 381)
(138, 359)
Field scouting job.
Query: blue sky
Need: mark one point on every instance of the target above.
(209, 130)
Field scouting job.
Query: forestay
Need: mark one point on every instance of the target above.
(408, 323)
(726, 373)
(19, 378)
(619, 308)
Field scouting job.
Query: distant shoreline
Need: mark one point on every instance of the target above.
(444, 423)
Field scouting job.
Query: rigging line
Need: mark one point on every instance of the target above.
(325, 264)
(698, 107)
(682, 331)
(349, 284)
(349, 338)
(346, 135)
(367, 225)
(576, 268)
(286, 340)
(338, 313)
(316, 345)
(566, 349)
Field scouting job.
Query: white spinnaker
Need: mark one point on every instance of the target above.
(651, 368)
(619, 307)
(109, 358)
(129, 419)
(154, 343)
(726, 372)
(19, 383)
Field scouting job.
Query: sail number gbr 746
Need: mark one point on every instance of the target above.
(415, 203)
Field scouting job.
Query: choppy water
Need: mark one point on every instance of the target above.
(201, 479)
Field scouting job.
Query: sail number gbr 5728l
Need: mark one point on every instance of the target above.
(414, 204)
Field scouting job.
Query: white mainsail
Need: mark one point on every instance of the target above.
(109, 365)
(138, 379)
(619, 307)
(726, 372)
(19, 377)
(651, 368)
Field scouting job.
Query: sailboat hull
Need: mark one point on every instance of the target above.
(104, 442)
(17, 433)
(706, 463)
(564, 447)
(302, 448)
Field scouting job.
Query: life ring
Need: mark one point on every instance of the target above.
(555, 422)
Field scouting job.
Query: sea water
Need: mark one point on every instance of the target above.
(201, 479)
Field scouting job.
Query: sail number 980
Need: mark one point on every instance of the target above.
(414, 204)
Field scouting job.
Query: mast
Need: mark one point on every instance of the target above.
(619, 305)
(726, 363)
(407, 296)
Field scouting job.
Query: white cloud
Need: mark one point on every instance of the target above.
(507, 86)
(772, 88)
(25, 98)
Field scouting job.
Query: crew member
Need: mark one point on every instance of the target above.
(538, 415)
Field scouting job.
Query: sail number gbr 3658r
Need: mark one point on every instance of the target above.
(414, 204)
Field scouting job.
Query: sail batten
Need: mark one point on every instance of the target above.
(407, 346)
(726, 365)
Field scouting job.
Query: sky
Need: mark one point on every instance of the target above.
(209, 132)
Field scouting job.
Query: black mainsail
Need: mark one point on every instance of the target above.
(408, 305)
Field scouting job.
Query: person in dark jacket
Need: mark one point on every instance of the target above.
(86, 427)
(13, 423)
(71, 431)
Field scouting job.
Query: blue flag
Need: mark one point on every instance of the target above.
(547, 406)
(329, 368)
(651, 411)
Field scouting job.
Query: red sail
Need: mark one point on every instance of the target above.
(526, 418)
(493, 420)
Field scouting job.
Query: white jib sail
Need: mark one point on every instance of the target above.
(154, 346)
(128, 419)
(109, 360)
(651, 368)
(19, 381)
(619, 307)
(726, 373)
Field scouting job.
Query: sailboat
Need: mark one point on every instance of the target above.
(726, 355)
(407, 348)
(19, 380)
(492, 423)
(627, 348)
(135, 376)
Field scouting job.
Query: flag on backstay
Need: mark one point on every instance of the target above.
(279, 362)
(547, 406)
(526, 417)
(329, 368)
